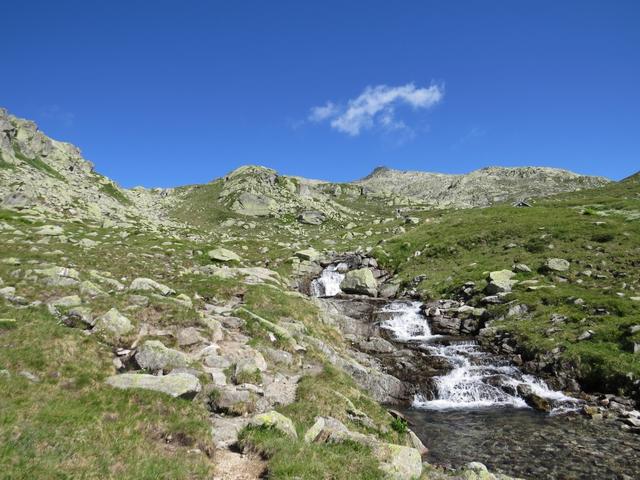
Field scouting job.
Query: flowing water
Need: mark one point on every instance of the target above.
(328, 283)
(475, 413)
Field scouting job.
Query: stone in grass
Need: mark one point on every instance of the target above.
(114, 323)
(50, 230)
(182, 385)
(154, 356)
(69, 301)
(149, 285)
(500, 281)
(223, 255)
(310, 254)
(556, 265)
(277, 421)
(521, 268)
(397, 461)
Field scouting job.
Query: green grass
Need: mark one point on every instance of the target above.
(459, 246)
(70, 425)
(114, 192)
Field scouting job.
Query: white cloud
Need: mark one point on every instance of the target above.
(318, 114)
(376, 106)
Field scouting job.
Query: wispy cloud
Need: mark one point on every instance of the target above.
(473, 133)
(376, 107)
(56, 113)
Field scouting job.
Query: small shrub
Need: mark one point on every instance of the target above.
(399, 425)
(602, 237)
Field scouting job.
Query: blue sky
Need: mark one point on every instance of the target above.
(162, 93)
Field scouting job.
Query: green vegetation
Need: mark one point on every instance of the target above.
(114, 192)
(593, 229)
(38, 164)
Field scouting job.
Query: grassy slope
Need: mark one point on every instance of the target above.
(596, 230)
(70, 424)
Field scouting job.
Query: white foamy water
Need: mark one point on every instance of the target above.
(328, 283)
(406, 322)
(477, 379)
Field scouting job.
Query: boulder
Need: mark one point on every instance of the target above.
(556, 265)
(223, 255)
(398, 462)
(50, 230)
(253, 205)
(189, 336)
(176, 385)
(312, 218)
(310, 254)
(521, 268)
(500, 281)
(324, 429)
(149, 285)
(154, 356)
(277, 421)
(534, 400)
(114, 323)
(361, 282)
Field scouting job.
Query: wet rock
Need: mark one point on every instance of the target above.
(534, 400)
(176, 385)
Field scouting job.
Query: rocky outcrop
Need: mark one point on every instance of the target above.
(478, 188)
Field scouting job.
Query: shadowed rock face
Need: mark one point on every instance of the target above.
(478, 188)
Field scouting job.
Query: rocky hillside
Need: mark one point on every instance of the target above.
(53, 178)
(478, 188)
(178, 321)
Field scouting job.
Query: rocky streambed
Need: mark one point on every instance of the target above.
(469, 404)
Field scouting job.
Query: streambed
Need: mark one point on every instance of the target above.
(476, 409)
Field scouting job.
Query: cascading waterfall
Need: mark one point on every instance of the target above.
(328, 284)
(477, 379)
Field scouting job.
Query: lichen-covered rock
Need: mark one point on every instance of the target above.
(361, 282)
(149, 285)
(500, 281)
(556, 265)
(310, 254)
(398, 462)
(114, 323)
(273, 419)
(176, 384)
(154, 356)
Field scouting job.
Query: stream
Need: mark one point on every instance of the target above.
(475, 411)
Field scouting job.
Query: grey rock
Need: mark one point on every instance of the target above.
(154, 356)
(175, 385)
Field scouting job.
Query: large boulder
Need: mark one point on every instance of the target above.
(253, 205)
(556, 265)
(398, 462)
(114, 323)
(500, 281)
(176, 384)
(361, 282)
(276, 421)
(154, 356)
(223, 255)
